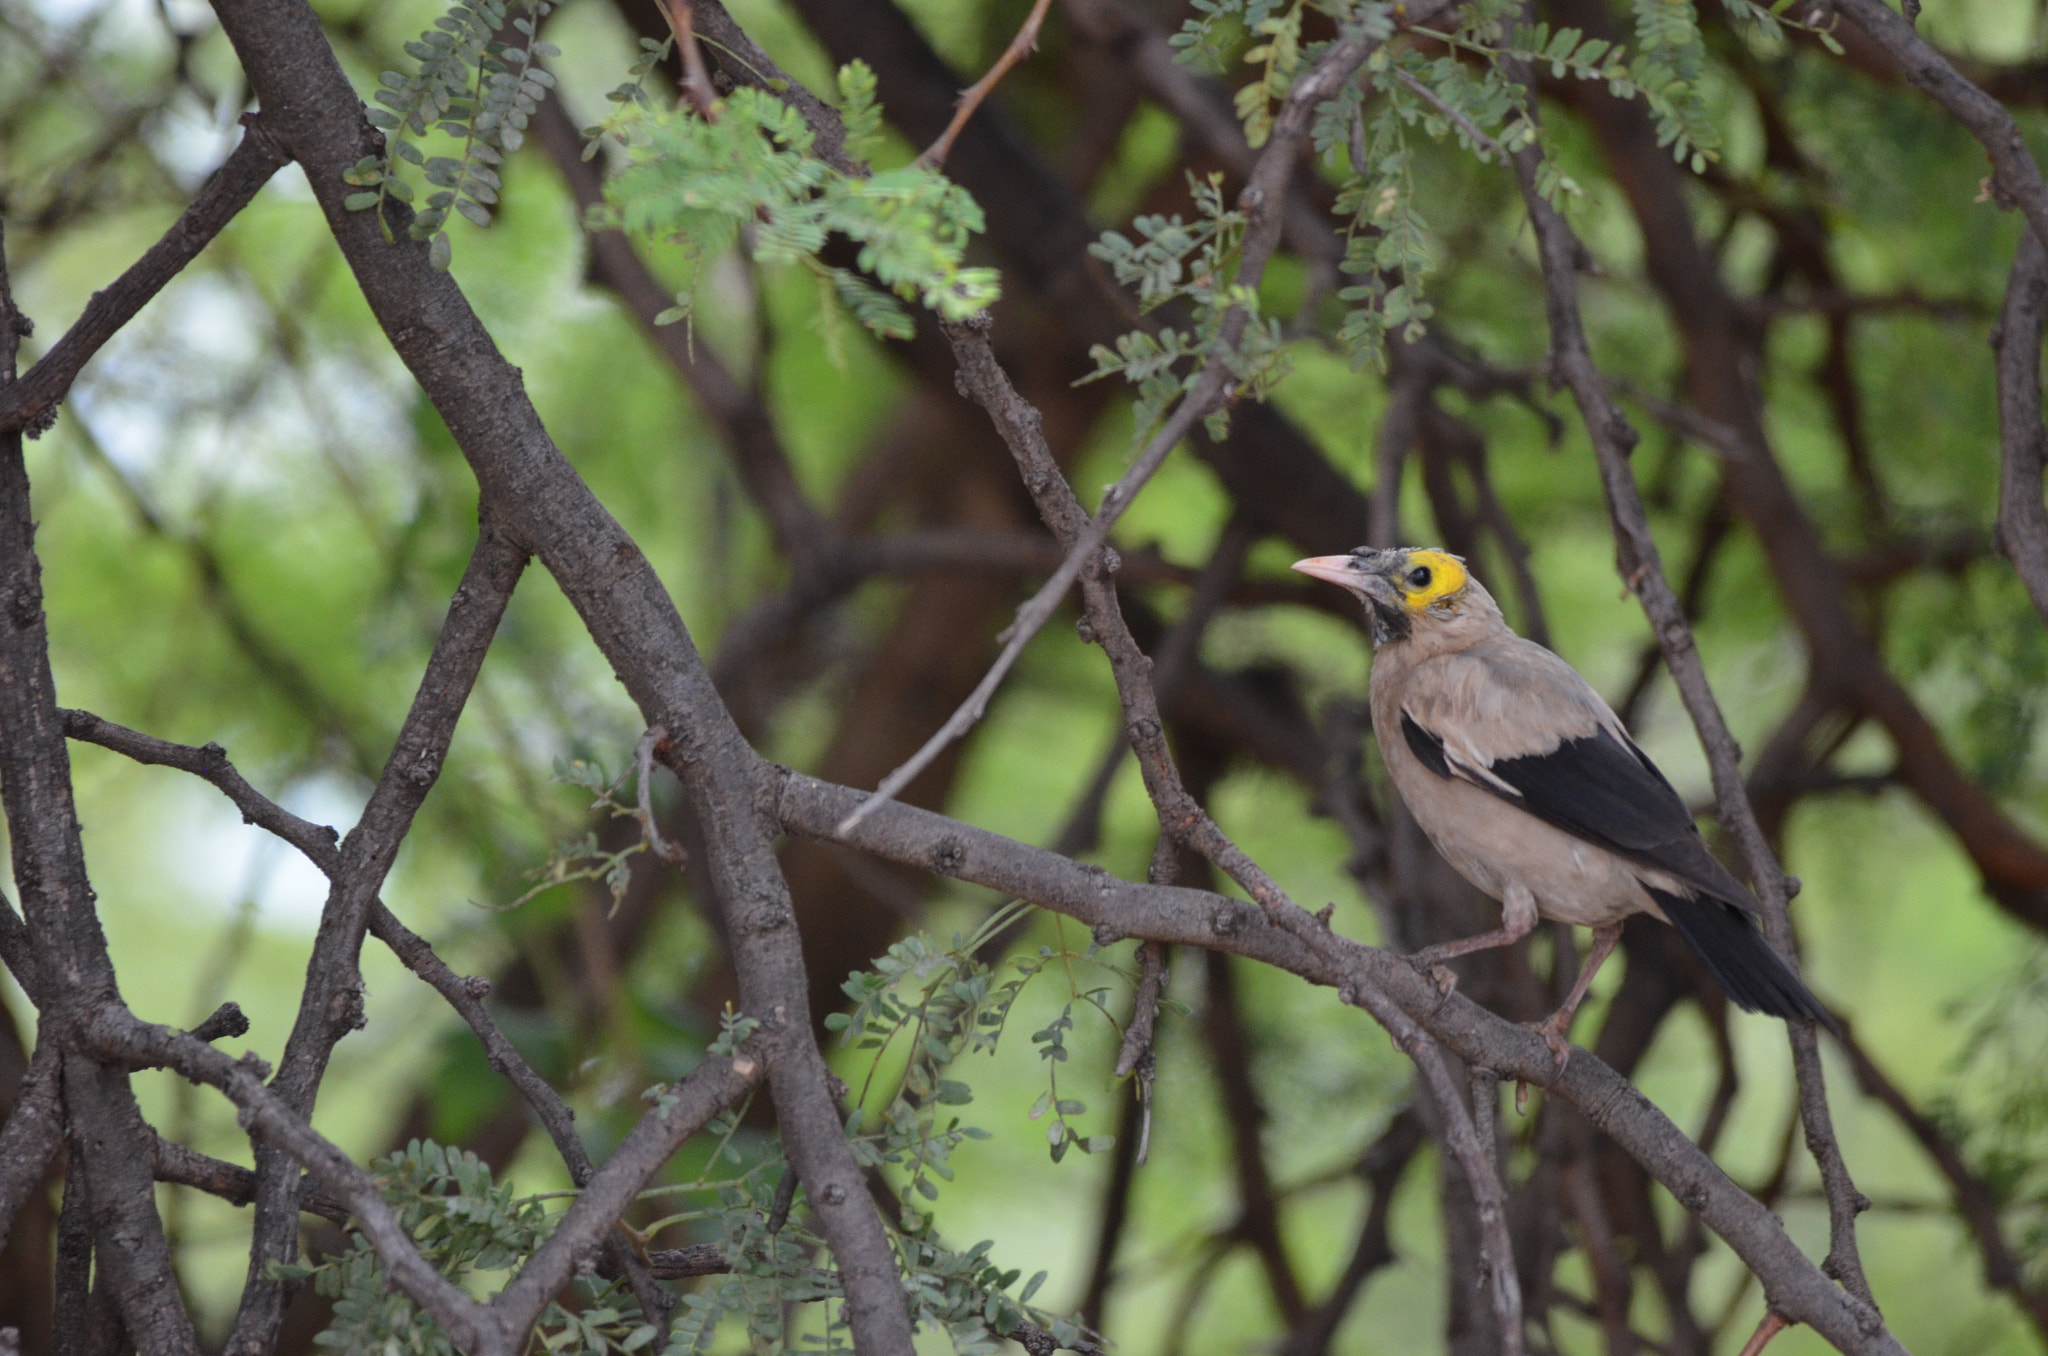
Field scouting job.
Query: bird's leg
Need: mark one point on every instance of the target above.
(1517, 920)
(1558, 1025)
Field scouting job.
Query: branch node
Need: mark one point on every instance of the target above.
(227, 1020)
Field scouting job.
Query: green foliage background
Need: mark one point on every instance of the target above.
(250, 450)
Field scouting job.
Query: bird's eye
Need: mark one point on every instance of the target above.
(1419, 577)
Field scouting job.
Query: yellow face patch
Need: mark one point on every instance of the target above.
(1429, 577)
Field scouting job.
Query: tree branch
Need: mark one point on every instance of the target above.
(318, 843)
(331, 1003)
(1613, 439)
(1021, 46)
(2022, 531)
(71, 959)
(31, 1138)
(30, 404)
(1116, 908)
(538, 501)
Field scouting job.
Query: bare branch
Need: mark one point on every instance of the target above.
(331, 1004)
(184, 1166)
(696, 80)
(2022, 532)
(1642, 569)
(32, 1136)
(30, 404)
(1021, 46)
(71, 959)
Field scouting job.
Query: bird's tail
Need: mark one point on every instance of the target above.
(1755, 977)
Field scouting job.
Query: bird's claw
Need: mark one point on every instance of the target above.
(1445, 978)
(1553, 1032)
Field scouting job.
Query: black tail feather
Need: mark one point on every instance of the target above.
(1755, 978)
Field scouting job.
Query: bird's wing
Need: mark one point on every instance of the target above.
(1517, 721)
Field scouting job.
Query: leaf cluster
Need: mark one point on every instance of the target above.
(471, 85)
(2003, 1137)
(749, 177)
(463, 1223)
(943, 1003)
(1363, 132)
(583, 857)
(1193, 264)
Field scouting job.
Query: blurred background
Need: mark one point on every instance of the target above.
(251, 521)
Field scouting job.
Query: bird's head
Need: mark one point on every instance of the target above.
(1399, 587)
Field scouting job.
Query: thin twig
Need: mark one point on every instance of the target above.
(1770, 1326)
(1462, 1137)
(650, 823)
(1021, 46)
(697, 87)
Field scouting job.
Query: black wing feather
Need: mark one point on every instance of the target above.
(1427, 748)
(1603, 790)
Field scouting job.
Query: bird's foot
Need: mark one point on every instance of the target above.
(1427, 964)
(1554, 1029)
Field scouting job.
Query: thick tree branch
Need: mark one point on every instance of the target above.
(537, 499)
(2022, 532)
(71, 961)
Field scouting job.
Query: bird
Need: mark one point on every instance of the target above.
(1528, 784)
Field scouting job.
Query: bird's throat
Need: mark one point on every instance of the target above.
(1387, 623)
